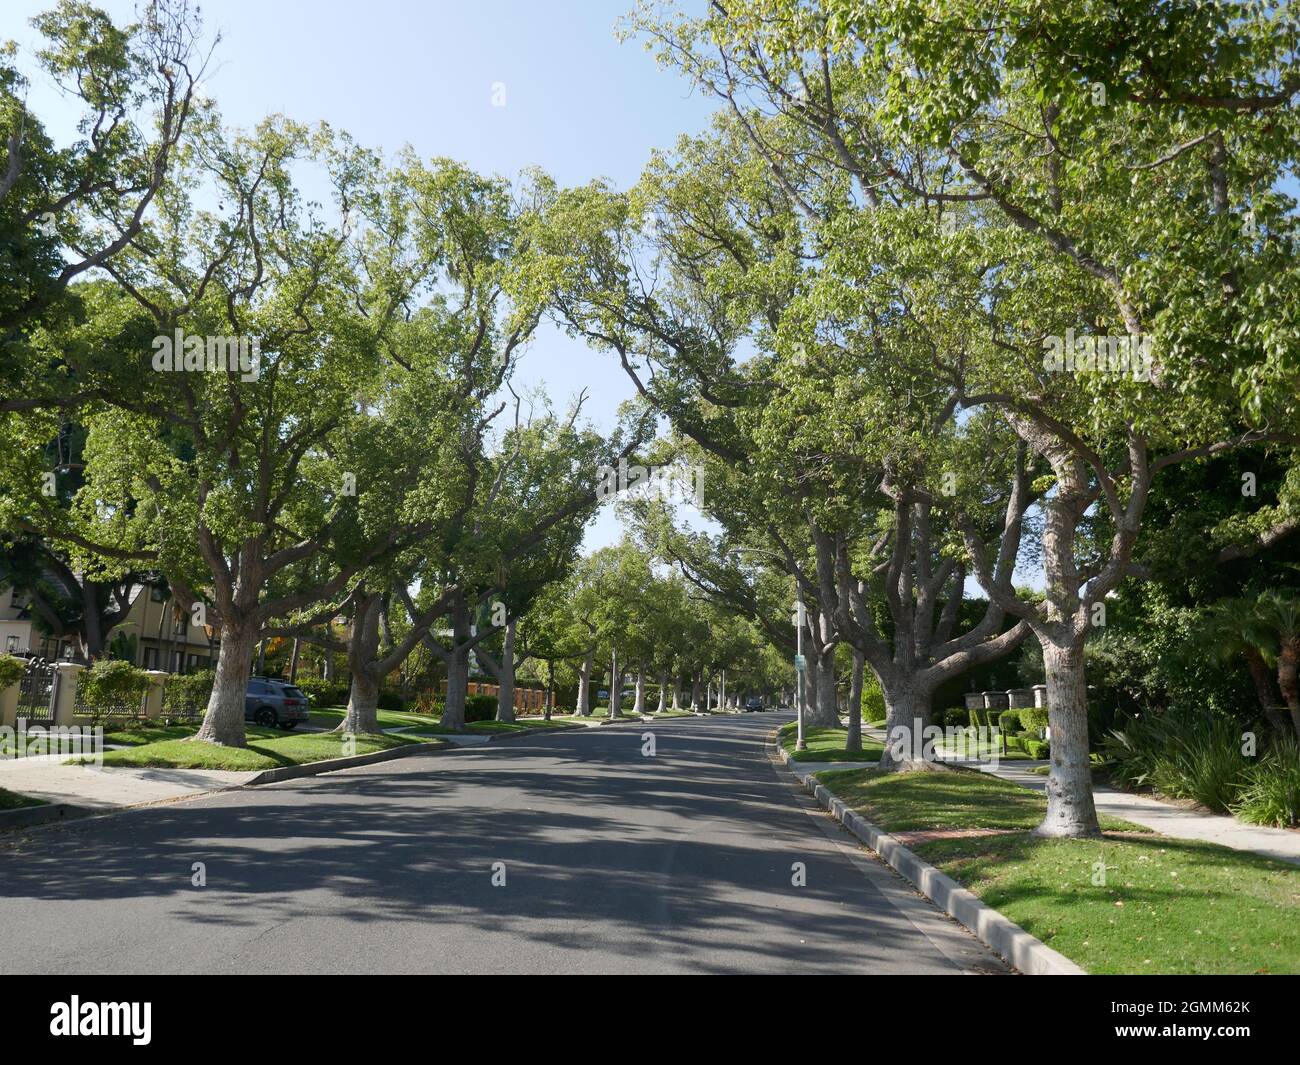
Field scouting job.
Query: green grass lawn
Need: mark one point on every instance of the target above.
(330, 716)
(827, 745)
(12, 801)
(910, 802)
(1135, 902)
(267, 749)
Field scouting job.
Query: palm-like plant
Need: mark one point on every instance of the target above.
(1265, 631)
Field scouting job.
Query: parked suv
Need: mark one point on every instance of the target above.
(754, 703)
(272, 702)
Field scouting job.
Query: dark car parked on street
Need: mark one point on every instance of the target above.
(754, 703)
(274, 703)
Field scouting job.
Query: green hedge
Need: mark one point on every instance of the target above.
(324, 692)
(955, 717)
(185, 694)
(481, 708)
(1033, 718)
(11, 670)
(977, 717)
(1009, 721)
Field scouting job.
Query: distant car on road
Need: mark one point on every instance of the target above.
(602, 694)
(274, 703)
(753, 703)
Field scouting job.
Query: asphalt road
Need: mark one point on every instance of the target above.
(614, 862)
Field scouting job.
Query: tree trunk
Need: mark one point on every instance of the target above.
(362, 714)
(224, 721)
(293, 661)
(1070, 809)
(453, 711)
(615, 687)
(663, 693)
(638, 704)
(506, 678)
(854, 740)
(695, 694)
(677, 691)
(550, 689)
(824, 713)
(363, 705)
(907, 715)
(583, 709)
(1288, 678)
(92, 631)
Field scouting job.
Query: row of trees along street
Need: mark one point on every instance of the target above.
(978, 334)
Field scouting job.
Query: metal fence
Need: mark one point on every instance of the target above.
(182, 703)
(131, 710)
(36, 691)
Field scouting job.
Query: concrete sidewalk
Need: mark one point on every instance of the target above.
(1176, 822)
(1169, 820)
(91, 788)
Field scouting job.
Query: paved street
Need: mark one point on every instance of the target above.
(614, 862)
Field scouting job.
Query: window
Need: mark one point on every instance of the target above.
(11, 643)
(151, 658)
(156, 593)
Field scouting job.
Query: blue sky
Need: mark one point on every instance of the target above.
(393, 72)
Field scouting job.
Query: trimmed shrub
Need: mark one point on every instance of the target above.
(324, 692)
(111, 686)
(956, 717)
(873, 700)
(480, 708)
(1009, 721)
(11, 671)
(1036, 748)
(1033, 718)
(977, 717)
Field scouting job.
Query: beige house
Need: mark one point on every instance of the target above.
(163, 640)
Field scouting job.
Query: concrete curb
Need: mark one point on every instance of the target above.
(498, 737)
(31, 816)
(995, 930)
(329, 765)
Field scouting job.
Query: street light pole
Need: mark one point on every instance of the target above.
(800, 666)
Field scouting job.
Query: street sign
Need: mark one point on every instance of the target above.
(800, 663)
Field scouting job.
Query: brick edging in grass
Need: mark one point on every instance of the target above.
(46, 813)
(995, 930)
(328, 765)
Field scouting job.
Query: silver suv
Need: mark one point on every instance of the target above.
(274, 703)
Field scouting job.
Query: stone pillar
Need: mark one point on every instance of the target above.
(996, 701)
(153, 700)
(1019, 698)
(9, 705)
(974, 700)
(66, 675)
(1040, 694)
